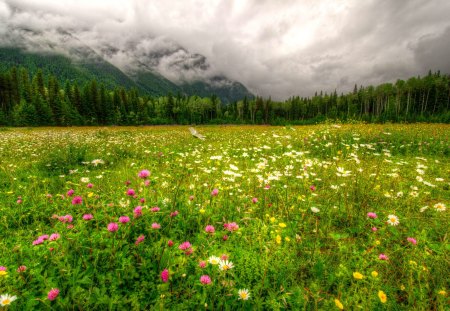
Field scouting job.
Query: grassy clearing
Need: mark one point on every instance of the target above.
(304, 218)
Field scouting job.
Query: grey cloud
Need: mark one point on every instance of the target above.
(278, 48)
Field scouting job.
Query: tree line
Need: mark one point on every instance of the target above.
(41, 100)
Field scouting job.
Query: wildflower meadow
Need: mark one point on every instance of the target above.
(323, 217)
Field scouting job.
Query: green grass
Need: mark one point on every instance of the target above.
(269, 181)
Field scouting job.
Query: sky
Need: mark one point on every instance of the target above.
(277, 48)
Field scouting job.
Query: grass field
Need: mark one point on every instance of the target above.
(322, 217)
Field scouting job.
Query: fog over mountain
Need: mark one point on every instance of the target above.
(275, 48)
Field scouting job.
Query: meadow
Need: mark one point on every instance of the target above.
(323, 217)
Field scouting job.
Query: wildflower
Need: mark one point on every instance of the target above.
(205, 279)
(312, 188)
(22, 269)
(383, 257)
(88, 216)
(315, 210)
(77, 200)
(155, 209)
(191, 198)
(282, 225)
(170, 243)
(70, 192)
(124, 219)
(225, 265)
(255, 200)
(112, 227)
(155, 225)
(372, 215)
(185, 245)
(224, 256)
(382, 296)
(339, 304)
(440, 207)
(412, 241)
(243, 294)
(3, 273)
(173, 214)
(215, 192)
(38, 241)
(202, 264)
(140, 239)
(138, 211)
(214, 260)
(54, 237)
(374, 274)
(225, 237)
(6, 299)
(144, 174)
(358, 275)
(165, 275)
(374, 229)
(89, 185)
(231, 227)
(393, 220)
(442, 292)
(52, 294)
(278, 239)
(209, 229)
(131, 192)
(2, 268)
(97, 162)
(84, 179)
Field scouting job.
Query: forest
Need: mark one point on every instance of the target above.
(43, 100)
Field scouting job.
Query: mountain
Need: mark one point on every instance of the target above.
(153, 66)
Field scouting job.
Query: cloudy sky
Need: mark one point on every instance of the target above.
(274, 47)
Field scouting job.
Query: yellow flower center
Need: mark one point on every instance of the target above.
(225, 267)
(3, 273)
(6, 302)
(243, 295)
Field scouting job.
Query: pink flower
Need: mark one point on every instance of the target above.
(383, 257)
(2, 268)
(173, 214)
(38, 241)
(22, 269)
(138, 211)
(224, 257)
(372, 215)
(131, 192)
(267, 187)
(225, 237)
(142, 200)
(312, 188)
(89, 185)
(128, 183)
(155, 209)
(412, 240)
(140, 239)
(144, 174)
(52, 294)
(202, 264)
(165, 275)
(19, 201)
(77, 200)
(231, 226)
(68, 218)
(185, 245)
(209, 229)
(156, 225)
(191, 198)
(88, 216)
(147, 183)
(70, 192)
(215, 192)
(54, 237)
(170, 243)
(374, 229)
(124, 219)
(255, 200)
(44, 237)
(205, 279)
(112, 227)
(189, 251)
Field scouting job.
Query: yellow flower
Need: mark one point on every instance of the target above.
(282, 225)
(374, 274)
(3, 273)
(377, 242)
(90, 194)
(287, 239)
(382, 296)
(202, 211)
(278, 239)
(442, 292)
(272, 219)
(339, 304)
(358, 275)
(402, 287)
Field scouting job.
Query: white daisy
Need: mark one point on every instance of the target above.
(6, 299)
(440, 207)
(243, 294)
(393, 220)
(214, 260)
(225, 265)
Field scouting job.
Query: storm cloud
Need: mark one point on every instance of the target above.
(275, 48)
